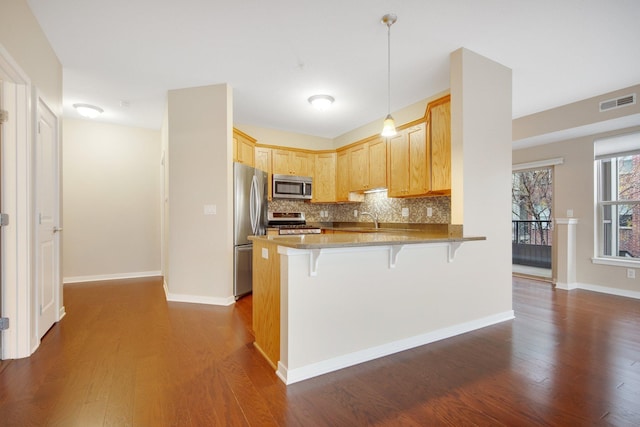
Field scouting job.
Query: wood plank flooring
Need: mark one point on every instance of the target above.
(123, 356)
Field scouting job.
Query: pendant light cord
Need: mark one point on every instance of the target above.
(388, 68)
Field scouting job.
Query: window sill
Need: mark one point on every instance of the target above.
(618, 262)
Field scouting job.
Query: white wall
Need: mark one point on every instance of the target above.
(111, 199)
(481, 176)
(200, 258)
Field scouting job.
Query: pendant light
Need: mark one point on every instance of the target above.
(389, 126)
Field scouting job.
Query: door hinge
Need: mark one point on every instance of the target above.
(4, 323)
(4, 219)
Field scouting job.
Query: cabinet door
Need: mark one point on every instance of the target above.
(440, 139)
(398, 165)
(378, 163)
(280, 162)
(245, 152)
(342, 176)
(263, 162)
(359, 167)
(418, 166)
(301, 163)
(324, 178)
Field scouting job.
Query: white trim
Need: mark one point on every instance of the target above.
(198, 299)
(566, 221)
(344, 361)
(538, 164)
(17, 251)
(567, 286)
(611, 291)
(618, 262)
(101, 277)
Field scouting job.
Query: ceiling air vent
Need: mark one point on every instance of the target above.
(618, 102)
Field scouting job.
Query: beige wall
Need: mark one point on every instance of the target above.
(112, 201)
(269, 136)
(22, 37)
(200, 246)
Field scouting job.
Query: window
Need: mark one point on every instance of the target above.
(618, 204)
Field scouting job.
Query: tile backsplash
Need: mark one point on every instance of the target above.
(387, 209)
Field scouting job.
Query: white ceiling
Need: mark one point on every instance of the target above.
(275, 54)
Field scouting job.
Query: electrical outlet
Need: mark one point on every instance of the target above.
(209, 209)
(405, 212)
(569, 213)
(429, 211)
(265, 253)
(631, 273)
(355, 213)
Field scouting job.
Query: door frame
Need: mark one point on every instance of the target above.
(20, 340)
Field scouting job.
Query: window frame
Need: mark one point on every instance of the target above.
(600, 206)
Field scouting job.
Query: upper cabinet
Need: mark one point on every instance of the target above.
(420, 154)
(324, 178)
(368, 165)
(292, 162)
(408, 162)
(243, 148)
(342, 176)
(439, 116)
(263, 162)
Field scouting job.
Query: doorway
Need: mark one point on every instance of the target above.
(531, 221)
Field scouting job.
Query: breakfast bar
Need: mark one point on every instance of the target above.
(327, 301)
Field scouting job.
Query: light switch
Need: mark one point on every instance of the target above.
(265, 253)
(209, 209)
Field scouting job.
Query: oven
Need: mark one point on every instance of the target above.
(291, 223)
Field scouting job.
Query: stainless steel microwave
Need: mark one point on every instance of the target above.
(291, 187)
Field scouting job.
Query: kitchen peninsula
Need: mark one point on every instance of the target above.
(328, 301)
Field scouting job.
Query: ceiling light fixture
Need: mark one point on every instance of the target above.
(88, 110)
(321, 102)
(389, 126)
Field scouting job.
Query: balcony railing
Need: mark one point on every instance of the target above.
(531, 243)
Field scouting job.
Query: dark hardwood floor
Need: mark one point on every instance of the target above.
(123, 356)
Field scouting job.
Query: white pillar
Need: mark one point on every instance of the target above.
(566, 253)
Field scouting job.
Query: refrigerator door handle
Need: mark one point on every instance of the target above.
(254, 205)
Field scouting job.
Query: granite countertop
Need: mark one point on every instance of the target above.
(379, 238)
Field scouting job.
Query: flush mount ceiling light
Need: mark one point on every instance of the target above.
(88, 110)
(389, 126)
(321, 102)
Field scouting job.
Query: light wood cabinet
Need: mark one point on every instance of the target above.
(378, 163)
(342, 176)
(263, 162)
(368, 165)
(289, 162)
(266, 300)
(359, 167)
(409, 171)
(440, 146)
(324, 178)
(243, 148)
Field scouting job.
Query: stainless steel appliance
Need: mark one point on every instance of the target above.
(250, 214)
(291, 223)
(291, 187)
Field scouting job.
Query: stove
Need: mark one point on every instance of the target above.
(289, 223)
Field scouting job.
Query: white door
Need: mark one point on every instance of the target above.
(47, 256)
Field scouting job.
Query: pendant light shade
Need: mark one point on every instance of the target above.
(389, 126)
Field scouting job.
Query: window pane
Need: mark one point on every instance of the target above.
(628, 235)
(628, 177)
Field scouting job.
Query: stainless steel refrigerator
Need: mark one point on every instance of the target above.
(250, 218)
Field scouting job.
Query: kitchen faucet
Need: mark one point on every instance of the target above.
(375, 218)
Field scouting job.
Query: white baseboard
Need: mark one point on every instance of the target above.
(567, 286)
(100, 277)
(608, 290)
(340, 362)
(198, 299)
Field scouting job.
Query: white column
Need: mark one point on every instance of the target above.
(566, 253)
